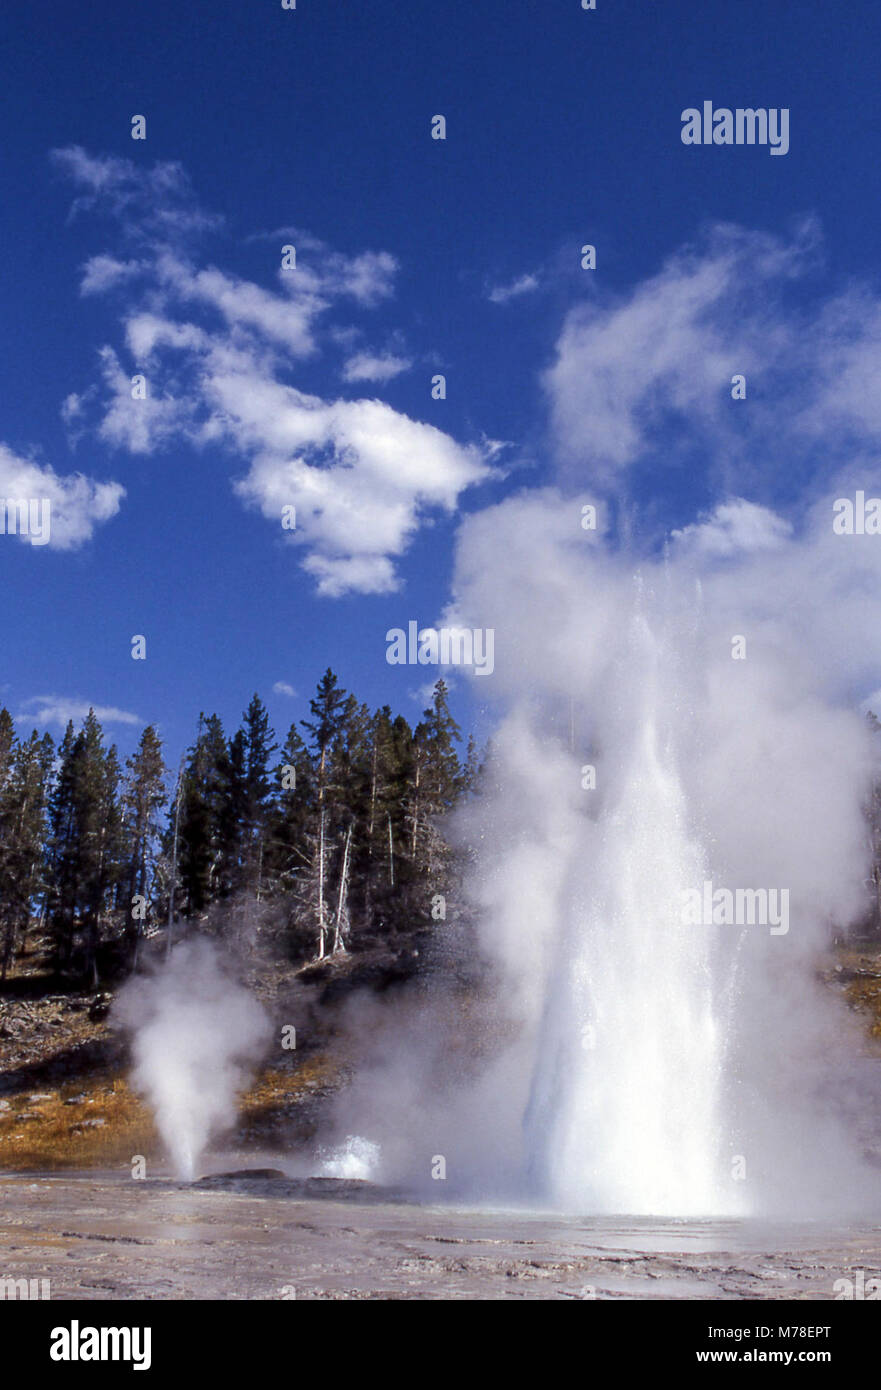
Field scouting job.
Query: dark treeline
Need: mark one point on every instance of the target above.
(334, 834)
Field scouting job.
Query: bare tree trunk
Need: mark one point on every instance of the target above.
(339, 931)
(260, 870)
(415, 833)
(372, 796)
(177, 801)
(322, 925)
(391, 855)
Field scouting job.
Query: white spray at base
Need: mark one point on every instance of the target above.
(196, 1035)
(355, 1159)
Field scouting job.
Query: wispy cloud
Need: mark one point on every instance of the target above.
(734, 528)
(149, 203)
(282, 688)
(43, 710)
(501, 294)
(652, 373)
(103, 273)
(366, 366)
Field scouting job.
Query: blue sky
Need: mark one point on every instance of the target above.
(267, 127)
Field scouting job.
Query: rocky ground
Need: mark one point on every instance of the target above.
(71, 1211)
(97, 1236)
(65, 1101)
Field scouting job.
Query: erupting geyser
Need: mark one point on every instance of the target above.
(669, 1067)
(624, 1110)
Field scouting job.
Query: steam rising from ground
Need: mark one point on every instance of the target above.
(196, 1034)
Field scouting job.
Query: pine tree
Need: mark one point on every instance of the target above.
(328, 713)
(259, 790)
(441, 733)
(434, 788)
(61, 854)
(85, 844)
(23, 800)
(291, 811)
(7, 739)
(471, 768)
(346, 833)
(349, 795)
(143, 797)
(389, 759)
(202, 831)
(231, 817)
(435, 784)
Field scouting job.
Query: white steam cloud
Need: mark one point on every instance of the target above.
(634, 1063)
(656, 1063)
(196, 1036)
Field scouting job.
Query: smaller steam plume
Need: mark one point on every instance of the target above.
(196, 1037)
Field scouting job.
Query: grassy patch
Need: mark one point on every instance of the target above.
(102, 1123)
(98, 1123)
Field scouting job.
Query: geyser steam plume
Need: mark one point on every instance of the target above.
(196, 1034)
(642, 1063)
(669, 1066)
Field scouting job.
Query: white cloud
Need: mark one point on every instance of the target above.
(283, 319)
(659, 363)
(336, 575)
(145, 332)
(289, 233)
(102, 273)
(362, 477)
(149, 202)
(73, 407)
(282, 688)
(368, 278)
(77, 503)
(366, 366)
(501, 294)
(734, 528)
(139, 425)
(43, 710)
